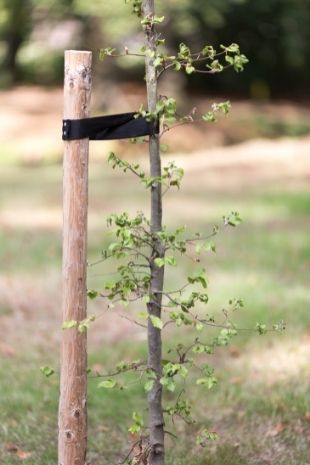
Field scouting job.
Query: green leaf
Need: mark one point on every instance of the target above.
(83, 327)
(198, 278)
(209, 51)
(189, 69)
(229, 59)
(199, 326)
(68, 324)
(183, 371)
(92, 294)
(279, 326)
(168, 383)
(143, 315)
(137, 418)
(198, 349)
(239, 62)
(224, 107)
(106, 52)
(209, 117)
(232, 48)
(209, 382)
(158, 61)
(159, 262)
(170, 261)
(201, 348)
(261, 328)
(233, 219)
(107, 384)
(136, 7)
(47, 371)
(160, 42)
(216, 66)
(184, 51)
(206, 247)
(167, 260)
(137, 423)
(164, 147)
(148, 385)
(204, 436)
(156, 322)
(158, 19)
(177, 65)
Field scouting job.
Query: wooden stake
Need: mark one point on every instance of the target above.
(72, 422)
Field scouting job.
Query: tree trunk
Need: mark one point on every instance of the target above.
(18, 26)
(156, 419)
(72, 421)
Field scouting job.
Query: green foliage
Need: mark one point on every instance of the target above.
(106, 52)
(83, 325)
(172, 175)
(233, 219)
(47, 371)
(68, 324)
(137, 423)
(205, 436)
(284, 24)
(107, 384)
(92, 294)
(138, 253)
(136, 6)
(156, 322)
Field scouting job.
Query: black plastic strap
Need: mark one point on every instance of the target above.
(122, 126)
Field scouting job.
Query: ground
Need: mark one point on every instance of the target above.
(260, 408)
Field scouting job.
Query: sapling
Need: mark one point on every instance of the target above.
(144, 247)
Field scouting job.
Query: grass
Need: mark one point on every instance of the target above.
(260, 408)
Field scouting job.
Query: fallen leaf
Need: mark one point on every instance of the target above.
(14, 449)
(22, 455)
(277, 429)
(234, 352)
(10, 447)
(307, 416)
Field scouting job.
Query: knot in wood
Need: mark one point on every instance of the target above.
(69, 434)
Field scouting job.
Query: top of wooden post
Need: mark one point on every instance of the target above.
(77, 85)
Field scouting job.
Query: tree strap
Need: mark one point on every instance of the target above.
(123, 126)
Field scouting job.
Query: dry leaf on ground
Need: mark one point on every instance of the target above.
(277, 429)
(14, 449)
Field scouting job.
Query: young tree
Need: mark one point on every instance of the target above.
(144, 247)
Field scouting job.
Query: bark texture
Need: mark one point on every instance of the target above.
(156, 419)
(72, 421)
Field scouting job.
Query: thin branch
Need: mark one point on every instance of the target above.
(133, 321)
(203, 71)
(135, 368)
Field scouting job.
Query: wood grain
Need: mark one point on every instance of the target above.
(72, 441)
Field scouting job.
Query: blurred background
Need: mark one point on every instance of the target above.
(255, 161)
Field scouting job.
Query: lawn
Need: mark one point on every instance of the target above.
(260, 407)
